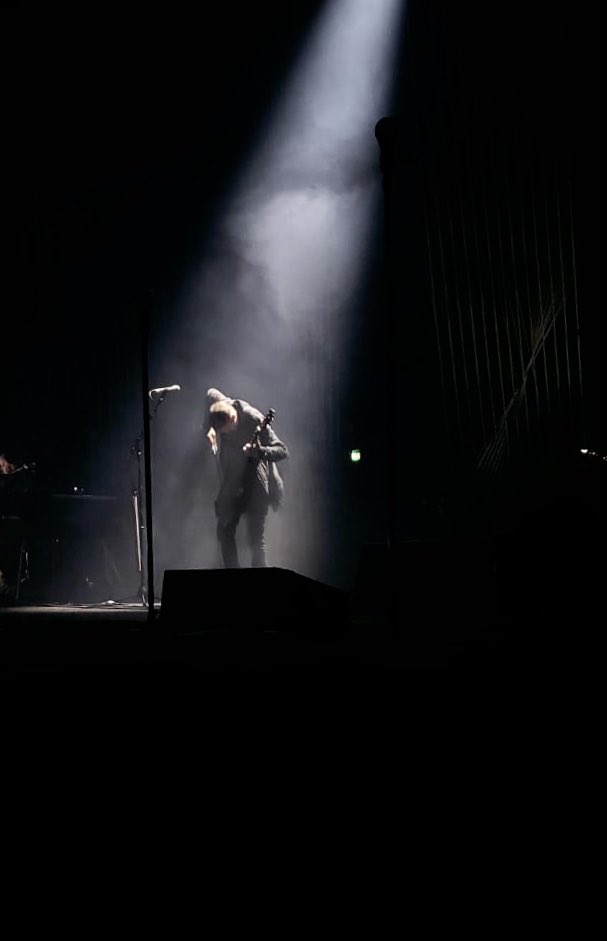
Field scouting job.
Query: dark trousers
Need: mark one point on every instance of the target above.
(255, 514)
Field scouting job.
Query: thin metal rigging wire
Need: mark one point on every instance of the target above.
(433, 293)
(576, 310)
(445, 280)
(493, 450)
(458, 306)
(564, 292)
(539, 284)
(463, 121)
(552, 287)
(484, 326)
(492, 281)
(529, 337)
(472, 320)
(517, 300)
(506, 299)
(457, 120)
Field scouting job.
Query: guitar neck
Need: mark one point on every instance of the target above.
(267, 420)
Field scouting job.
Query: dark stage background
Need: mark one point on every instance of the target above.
(123, 125)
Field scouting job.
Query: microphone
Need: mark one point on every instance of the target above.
(164, 389)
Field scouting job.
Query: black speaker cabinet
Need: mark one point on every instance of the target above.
(248, 598)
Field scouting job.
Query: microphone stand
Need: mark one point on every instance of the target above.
(144, 593)
(147, 460)
(139, 525)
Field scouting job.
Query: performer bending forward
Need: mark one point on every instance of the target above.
(248, 450)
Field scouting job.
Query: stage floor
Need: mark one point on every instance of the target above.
(49, 614)
(123, 639)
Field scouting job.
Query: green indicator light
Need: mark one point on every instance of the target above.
(355, 456)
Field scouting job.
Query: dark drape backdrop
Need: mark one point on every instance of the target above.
(490, 276)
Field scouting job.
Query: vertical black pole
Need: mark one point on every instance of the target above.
(146, 305)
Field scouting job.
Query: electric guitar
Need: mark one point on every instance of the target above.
(20, 468)
(253, 444)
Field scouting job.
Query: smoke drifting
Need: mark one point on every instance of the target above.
(269, 311)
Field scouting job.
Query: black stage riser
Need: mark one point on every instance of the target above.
(241, 599)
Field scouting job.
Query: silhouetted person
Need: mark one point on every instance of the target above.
(7, 469)
(248, 449)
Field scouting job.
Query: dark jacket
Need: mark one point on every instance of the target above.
(240, 475)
